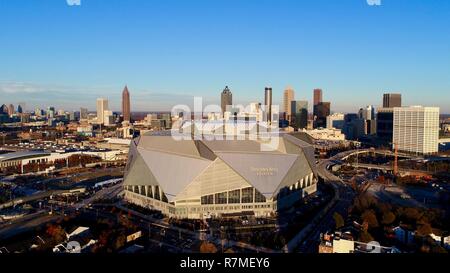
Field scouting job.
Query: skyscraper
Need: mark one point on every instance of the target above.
(226, 99)
(299, 114)
(83, 113)
(268, 103)
(416, 129)
(321, 111)
(392, 100)
(317, 96)
(288, 97)
(102, 106)
(4, 109)
(385, 124)
(126, 104)
(11, 109)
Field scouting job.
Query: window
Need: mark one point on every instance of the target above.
(208, 200)
(234, 197)
(221, 198)
(157, 196)
(259, 198)
(149, 192)
(247, 195)
(164, 198)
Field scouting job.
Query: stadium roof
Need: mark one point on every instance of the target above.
(22, 155)
(176, 165)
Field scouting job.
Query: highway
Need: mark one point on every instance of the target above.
(344, 195)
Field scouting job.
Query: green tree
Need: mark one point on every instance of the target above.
(338, 220)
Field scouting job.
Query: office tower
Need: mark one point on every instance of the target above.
(288, 96)
(385, 124)
(11, 110)
(19, 109)
(108, 118)
(317, 96)
(71, 115)
(354, 127)
(102, 106)
(38, 112)
(268, 103)
(61, 112)
(321, 111)
(167, 119)
(83, 113)
(299, 114)
(335, 121)
(392, 100)
(50, 112)
(368, 115)
(416, 129)
(226, 99)
(126, 104)
(4, 109)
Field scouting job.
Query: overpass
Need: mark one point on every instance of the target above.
(385, 168)
(346, 155)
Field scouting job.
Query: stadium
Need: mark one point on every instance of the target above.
(200, 179)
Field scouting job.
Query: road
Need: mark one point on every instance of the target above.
(345, 196)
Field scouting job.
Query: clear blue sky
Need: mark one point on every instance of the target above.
(169, 50)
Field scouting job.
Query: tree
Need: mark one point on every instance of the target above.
(207, 247)
(338, 220)
(424, 230)
(57, 233)
(120, 241)
(371, 219)
(365, 237)
(388, 218)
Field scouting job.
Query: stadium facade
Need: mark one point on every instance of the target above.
(200, 179)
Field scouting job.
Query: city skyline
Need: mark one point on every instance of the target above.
(352, 62)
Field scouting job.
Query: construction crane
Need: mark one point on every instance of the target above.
(395, 159)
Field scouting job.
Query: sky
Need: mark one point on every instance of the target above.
(168, 51)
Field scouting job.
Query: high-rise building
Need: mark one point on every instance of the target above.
(299, 114)
(11, 110)
(50, 112)
(321, 112)
(416, 129)
(392, 100)
(385, 124)
(126, 104)
(368, 115)
(317, 96)
(354, 127)
(38, 112)
(83, 113)
(108, 118)
(268, 103)
(336, 121)
(19, 109)
(102, 106)
(4, 109)
(226, 99)
(288, 97)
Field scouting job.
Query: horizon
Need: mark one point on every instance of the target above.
(167, 52)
